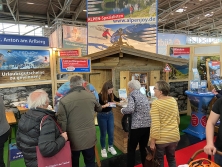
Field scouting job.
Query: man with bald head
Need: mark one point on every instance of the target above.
(48, 139)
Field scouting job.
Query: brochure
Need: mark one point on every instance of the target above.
(112, 104)
(122, 93)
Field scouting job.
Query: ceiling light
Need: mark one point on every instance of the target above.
(30, 3)
(84, 10)
(208, 15)
(180, 10)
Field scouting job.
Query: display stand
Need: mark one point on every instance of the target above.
(199, 105)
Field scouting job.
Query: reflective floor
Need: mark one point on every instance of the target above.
(120, 160)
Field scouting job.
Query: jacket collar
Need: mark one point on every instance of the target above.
(76, 88)
(46, 111)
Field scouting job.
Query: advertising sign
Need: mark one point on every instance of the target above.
(24, 65)
(135, 21)
(199, 106)
(74, 38)
(70, 64)
(74, 52)
(23, 40)
(165, 39)
(15, 153)
(180, 72)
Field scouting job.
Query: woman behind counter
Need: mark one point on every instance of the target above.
(164, 131)
(4, 131)
(139, 107)
(105, 118)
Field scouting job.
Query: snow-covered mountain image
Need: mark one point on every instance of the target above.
(140, 36)
(24, 59)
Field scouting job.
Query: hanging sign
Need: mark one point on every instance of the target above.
(167, 68)
(23, 40)
(74, 64)
(68, 53)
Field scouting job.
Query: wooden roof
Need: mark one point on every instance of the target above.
(139, 53)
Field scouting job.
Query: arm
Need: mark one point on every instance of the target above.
(61, 116)
(155, 123)
(116, 98)
(130, 106)
(212, 120)
(98, 107)
(48, 144)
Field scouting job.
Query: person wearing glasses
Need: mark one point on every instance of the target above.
(164, 132)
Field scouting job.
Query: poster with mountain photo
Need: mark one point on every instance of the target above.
(179, 71)
(134, 21)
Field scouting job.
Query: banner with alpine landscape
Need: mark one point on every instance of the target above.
(134, 20)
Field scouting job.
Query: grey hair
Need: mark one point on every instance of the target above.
(38, 98)
(76, 81)
(134, 84)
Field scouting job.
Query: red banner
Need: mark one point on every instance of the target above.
(181, 51)
(104, 18)
(69, 52)
(215, 63)
(77, 63)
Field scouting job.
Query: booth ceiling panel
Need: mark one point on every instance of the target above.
(190, 16)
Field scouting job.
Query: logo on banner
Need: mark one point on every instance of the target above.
(167, 68)
(203, 121)
(194, 120)
(181, 51)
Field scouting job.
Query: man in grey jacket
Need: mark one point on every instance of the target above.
(4, 131)
(76, 116)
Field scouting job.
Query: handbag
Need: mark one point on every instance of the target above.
(62, 158)
(151, 160)
(203, 162)
(126, 119)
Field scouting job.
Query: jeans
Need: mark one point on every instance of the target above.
(106, 124)
(88, 155)
(218, 159)
(136, 136)
(169, 149)
(3, 139)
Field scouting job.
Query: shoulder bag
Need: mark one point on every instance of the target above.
(62, 158)
(151, 160)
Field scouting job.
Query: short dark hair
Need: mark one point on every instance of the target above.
(76, 81)
(164, 87)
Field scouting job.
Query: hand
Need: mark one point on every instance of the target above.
(210, 149)
(64, 134)
(122, 99)
(152, 144)
(106, 105)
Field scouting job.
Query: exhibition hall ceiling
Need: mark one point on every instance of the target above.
(202, 17)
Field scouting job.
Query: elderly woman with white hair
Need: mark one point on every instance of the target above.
(139, 108)
(49, 140)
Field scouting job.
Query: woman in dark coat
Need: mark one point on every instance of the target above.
(49, 140)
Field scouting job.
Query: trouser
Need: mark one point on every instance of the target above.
(88, 155)
(218, 159)
(136, 136)
(106, 124)
(3, 139)
(169, 149)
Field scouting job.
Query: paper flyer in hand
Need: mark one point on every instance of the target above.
(122, 93)
(112, 104)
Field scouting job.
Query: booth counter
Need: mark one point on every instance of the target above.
(120, 137)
